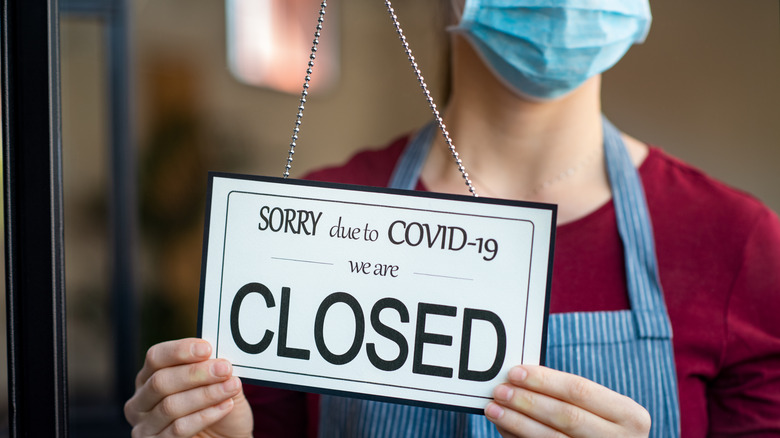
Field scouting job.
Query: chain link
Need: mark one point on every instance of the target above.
(305, 91)
(424, 86)
(420, 79)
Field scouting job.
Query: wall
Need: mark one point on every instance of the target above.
(706, 87)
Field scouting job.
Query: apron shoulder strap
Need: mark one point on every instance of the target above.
(636, 232)
(407, 170)
(633, 219)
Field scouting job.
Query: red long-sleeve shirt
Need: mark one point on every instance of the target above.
(719, 260)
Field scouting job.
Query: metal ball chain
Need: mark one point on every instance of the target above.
(305, 91)
(428, 97)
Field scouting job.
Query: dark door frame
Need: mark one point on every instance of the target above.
(32, 178)
(33, 208)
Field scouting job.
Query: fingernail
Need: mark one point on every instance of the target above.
(518, 374)
(227, 404)
(503, 392)
(221, 368)
(201, 349)
(494, 411)
(231, 385)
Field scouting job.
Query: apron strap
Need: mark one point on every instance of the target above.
(636, 232)
(407, 170)
(633, 220)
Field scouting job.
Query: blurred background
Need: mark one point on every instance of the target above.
(209, 89)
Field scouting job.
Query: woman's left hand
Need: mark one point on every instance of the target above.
(540, 402)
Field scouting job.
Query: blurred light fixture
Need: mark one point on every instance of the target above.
(269, 43)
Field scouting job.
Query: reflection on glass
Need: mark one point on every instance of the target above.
(269, 43)
(85, 178)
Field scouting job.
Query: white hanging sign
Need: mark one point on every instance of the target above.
(393, 295)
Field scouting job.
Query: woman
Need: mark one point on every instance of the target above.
(525, 113)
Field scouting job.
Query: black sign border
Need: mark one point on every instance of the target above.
(371, 189)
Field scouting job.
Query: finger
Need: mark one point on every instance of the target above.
(513, 424)
(172, 380)
(548, 412)
(196, 422)
(183, 404)
(504, 432)
(172, 353)
(573, 389)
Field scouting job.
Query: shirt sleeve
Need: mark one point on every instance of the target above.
(282, 413)
(744, 399)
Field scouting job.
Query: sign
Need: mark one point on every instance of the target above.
(413, 297)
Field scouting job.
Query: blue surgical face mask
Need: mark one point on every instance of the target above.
(547, 48)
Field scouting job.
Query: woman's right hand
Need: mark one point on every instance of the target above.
(180, 392)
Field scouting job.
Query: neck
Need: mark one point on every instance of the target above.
(511, 145)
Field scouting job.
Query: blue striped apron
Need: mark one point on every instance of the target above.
(629, 351)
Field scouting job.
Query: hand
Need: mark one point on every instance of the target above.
(180, 392)
(539, 401)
